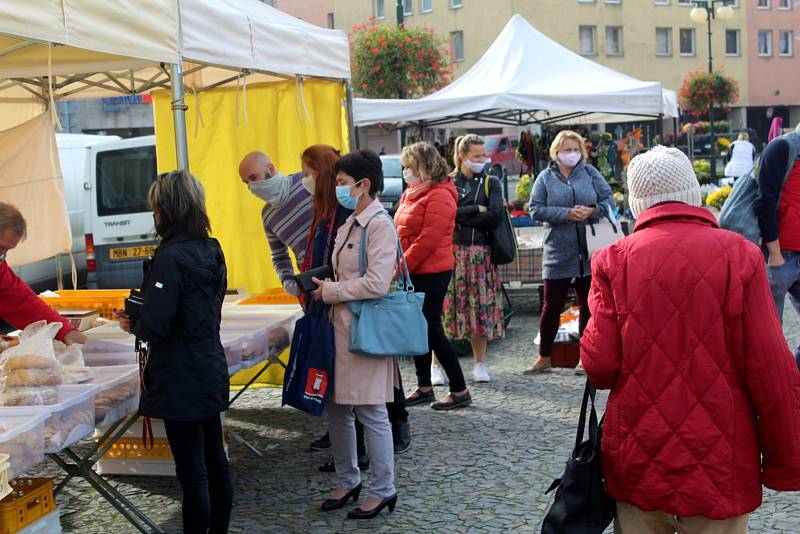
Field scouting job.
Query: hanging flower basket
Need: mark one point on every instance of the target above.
(388, 61)
(701, 90)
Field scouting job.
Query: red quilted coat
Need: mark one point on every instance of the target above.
(425, 222)
(705, 393)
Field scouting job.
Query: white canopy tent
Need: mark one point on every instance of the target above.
(52, 49)
(527, 78)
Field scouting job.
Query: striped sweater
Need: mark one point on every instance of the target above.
(287, 227)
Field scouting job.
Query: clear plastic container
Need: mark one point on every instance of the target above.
(118, 393)
(71, 419)
(22, 437)
(106, 359)
(232, 344)
(253, 340)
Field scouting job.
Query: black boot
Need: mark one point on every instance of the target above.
(401, 435)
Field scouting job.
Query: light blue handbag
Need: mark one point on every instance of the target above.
(392, 325)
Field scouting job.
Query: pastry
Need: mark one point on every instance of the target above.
(29, 361)
(32, 377)
(29, 396)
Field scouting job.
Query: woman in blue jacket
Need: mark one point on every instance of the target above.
(565, 196)
(186, 376)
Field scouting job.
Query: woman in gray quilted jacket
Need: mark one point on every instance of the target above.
(567, 194)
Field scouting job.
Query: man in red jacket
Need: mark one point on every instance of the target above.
(705, 395)
(19, 305)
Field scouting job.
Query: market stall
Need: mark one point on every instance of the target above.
(527, 78)
(54, 50)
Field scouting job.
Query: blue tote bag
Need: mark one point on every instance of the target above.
(392, 325)
(308, 381)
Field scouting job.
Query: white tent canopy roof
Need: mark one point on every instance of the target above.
(111, 47)
(526, 77)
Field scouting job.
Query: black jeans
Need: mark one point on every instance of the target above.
(434, 286)
(202, 469)
(555, 297)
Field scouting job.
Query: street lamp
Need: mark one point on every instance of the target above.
(704, 12)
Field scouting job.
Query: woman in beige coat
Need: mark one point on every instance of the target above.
(361, 384)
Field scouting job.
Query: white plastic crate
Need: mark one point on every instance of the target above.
(22, 437)
(117, 395)
(48, 524)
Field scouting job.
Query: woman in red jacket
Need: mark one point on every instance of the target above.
(425, 222)
(705, 395)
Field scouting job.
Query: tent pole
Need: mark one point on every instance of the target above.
(351, 124)
(179, 108)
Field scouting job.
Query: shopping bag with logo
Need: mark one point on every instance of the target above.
(308, 382)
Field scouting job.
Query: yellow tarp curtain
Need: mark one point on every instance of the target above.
(272, 118)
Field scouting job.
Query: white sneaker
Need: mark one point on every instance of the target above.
(480, 373)
(437, 376)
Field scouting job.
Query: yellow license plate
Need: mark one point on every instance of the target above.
(131, 253)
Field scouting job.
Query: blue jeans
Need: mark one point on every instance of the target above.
(786, 279)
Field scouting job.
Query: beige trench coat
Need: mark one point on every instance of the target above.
(361, 380)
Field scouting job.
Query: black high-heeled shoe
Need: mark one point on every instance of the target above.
(358, 513)
(335, 504)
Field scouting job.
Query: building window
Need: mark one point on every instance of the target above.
(686, 3)
(784, 4)
(586, 1)
(455, 4)
(425, 6)
(732, 43)
(457, 45)
(379, 9)
(663, 41)
(588, 39)
(785, 43)
(408, 7)
(687, 41)
(764, 4)
(613, 40)
(662, 2)
(269, 2)
(330, 21)
(613, 1)
(765, 43)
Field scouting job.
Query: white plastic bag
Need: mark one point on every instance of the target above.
(73, 366)
(30, 371)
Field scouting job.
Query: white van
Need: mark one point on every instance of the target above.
(106, 180)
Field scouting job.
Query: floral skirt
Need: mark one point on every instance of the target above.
(473, 306)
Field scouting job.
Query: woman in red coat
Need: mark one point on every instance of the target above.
(705, 395)
(425, 222)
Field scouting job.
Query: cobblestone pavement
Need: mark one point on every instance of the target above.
(482, 469)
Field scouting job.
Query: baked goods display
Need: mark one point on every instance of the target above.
(64, 428)
(28, 396)
(25, 449)
(115, 403)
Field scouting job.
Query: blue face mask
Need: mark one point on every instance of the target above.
(344, 198)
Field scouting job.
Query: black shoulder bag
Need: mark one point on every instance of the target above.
(502, 239)
(581, 505)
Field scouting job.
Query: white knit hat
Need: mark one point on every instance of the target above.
(661, 175)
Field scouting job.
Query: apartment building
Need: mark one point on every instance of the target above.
(647, 39)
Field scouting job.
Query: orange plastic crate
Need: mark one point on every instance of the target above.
(30, 499)
(271, 296)
(103, 300)
(133, 449)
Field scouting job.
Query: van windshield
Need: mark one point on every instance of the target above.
(491, 143)
(123, 178)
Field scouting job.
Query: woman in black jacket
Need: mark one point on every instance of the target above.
(185, 375)
(473, 307)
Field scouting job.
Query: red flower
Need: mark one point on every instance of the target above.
(374, 50)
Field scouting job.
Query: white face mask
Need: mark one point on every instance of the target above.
(274, 191)
(475, 167)
(410, 178)
(309, 182)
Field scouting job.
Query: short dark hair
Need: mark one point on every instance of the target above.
(180, 200)
(363, 164)
(11, 219)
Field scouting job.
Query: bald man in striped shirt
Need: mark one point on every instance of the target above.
(287, 212)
